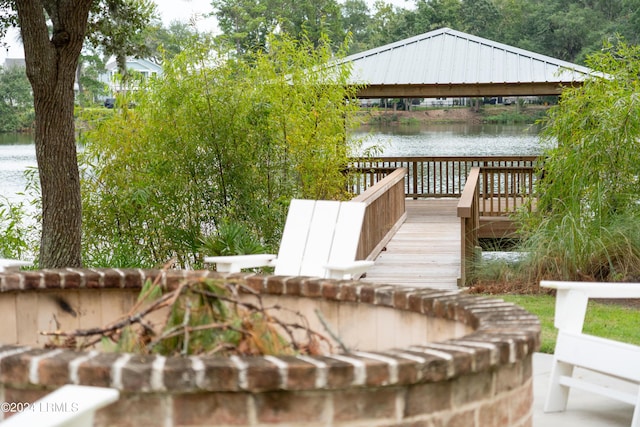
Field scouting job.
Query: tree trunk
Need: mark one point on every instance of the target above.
(51, 63)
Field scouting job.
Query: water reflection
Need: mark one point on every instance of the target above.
(456, 139)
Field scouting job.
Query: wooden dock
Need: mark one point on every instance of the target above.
(425, 252)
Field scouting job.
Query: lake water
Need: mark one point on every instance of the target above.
(17, 151)
(17, 154)
(454, 140)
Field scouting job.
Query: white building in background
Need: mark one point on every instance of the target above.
(143, 67)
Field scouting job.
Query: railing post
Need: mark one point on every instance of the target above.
(469, 214)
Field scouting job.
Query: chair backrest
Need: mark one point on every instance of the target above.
(318, 232)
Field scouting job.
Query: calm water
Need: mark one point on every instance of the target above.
(17, 152)
(454, 140)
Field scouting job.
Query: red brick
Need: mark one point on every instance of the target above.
(472, 388)
(339, 374)
(92, 279)
(295, 408)
(331, 290)
(112, 279)
(384, 296)
(55, 370)
(494, 413)
(135, 410)
(414, 303)
(132, 279)
(219, 374)
(32, 279)
(261, 374)
(361, 404)
(300, 374)
(208, 409)
(293, 285)
(97, 370)
(349, 291)
(178, 375)
(71, 279)
(508, 377)
(427, 398)
(9, 282)
(257, 283)
(521, 403)
(311, 288)
(15, 369)
(274, 285)
(136, 373)
(465, 418)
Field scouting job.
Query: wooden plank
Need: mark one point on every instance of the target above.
(425, 251)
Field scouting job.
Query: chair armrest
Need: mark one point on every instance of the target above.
(351, 269)
(76, 407)
(596, 289)
(572, 299)
(235, 263)
(12, 264)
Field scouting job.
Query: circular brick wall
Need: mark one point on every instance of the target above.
(478, 373)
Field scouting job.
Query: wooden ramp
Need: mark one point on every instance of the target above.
(425, 252)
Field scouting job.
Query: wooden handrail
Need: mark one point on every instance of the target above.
(469, 214)
(429, 176)
(384, 214)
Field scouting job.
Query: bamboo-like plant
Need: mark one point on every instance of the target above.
(585, 225)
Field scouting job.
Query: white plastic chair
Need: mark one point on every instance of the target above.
(576, 349)
(320, 239)
(68, 406)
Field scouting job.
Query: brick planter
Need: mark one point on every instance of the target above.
(417, 357)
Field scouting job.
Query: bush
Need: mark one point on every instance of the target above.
(215, 142)
(585, 223)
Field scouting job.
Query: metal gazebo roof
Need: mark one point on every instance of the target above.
(449, 63)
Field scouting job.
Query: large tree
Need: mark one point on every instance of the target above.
(53, 32)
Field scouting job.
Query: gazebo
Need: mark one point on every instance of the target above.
(450, 63)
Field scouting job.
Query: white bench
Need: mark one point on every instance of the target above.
(68, 406)
(320, 239)
(12, 264)
(576, 349)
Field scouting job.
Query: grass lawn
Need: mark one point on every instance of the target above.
(606, 320)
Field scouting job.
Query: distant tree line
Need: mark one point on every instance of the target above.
(564, 29)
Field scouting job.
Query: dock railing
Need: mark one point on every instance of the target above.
(490, 190)
(384, 214)
(429, 176)
(469, 214)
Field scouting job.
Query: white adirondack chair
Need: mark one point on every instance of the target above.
(12, 264)
(68, 406)
(320, 239)
(576, 349)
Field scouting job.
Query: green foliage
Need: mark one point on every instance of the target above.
(216, 142)
(231, 238)
(19, 222)
(14, 240)
(16, 101)
(585, 222)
